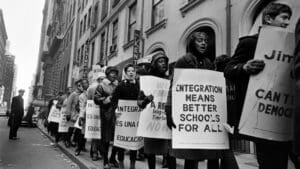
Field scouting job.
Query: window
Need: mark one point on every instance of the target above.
(78, 56)
(84, 27)
(114, 33)
(73, 12)
(80, 31)
(132, 21)
(115, 2)
(95, 16)
(102, 45)
(158, 13)
(92, 52)
(104, 9)
(89, 17)
(82, 55)
(71, 34)
(82, 6)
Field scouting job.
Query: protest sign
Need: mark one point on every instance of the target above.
(62, 126)
(199, 109)
(54, 114)
(268, 106)
(126, 126)
(92, 125)
(153, 123)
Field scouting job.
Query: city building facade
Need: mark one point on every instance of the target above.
(117, 32)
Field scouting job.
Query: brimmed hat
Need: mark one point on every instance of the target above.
(157, 55)
(111, 69)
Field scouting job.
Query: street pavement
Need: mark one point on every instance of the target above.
(245, 161)
(36, 150)
(33, 151)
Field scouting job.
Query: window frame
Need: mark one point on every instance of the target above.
(102, 46)
(154, 5)
(130, 23)
(115, 3)
(104, 10)
(115, 28)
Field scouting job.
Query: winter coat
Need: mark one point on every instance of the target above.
(189, 61)
(153, 145)
(297, 105)
(235, 73)
(17, 108)
(73, 108)
(82, 108)
(126, 90)
(102, 98)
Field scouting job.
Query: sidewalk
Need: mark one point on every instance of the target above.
(245, 161)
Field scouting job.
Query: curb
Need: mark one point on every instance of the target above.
(80, 164)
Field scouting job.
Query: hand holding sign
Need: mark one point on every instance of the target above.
(254, 66)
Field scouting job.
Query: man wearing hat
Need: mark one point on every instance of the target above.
(103, 95)
(17, 113)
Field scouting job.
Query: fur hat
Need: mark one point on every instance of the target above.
(157, 55)
(111, 69)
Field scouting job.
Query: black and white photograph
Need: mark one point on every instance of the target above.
(150, 84)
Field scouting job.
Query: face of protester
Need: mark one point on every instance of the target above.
(112, 76)
(85, 84)
(281, 20)
(79, 87)
(162, 65)
(21, 93)
(131, 73)
(201, 42)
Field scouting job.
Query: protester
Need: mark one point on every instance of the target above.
(196, 58)
(228, 160)
(153, 146)
(270, 154)
(17, 113)
(128, 89)
(53, 125)
(95, 144)
(82, 114)
(62, 105)
(103, 95)
(297, 97)
(73, 112)
(29, 115)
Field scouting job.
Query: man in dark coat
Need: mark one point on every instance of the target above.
(270, 154)
(103, 95)
(297, 106)
(17, 113)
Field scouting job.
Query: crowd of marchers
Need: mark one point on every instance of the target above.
(237, 70)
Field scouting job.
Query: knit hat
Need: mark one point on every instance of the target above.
(157, 55)
(111, 69)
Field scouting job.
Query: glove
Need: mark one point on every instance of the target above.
(68, 117)
(107, 100)
(228, 128)
(253, 67)
(170, 123)
(81, 121)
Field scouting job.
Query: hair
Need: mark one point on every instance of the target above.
(191, 47)
(21, 91)
(78, 82)
(274, 9)
(128, 66)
